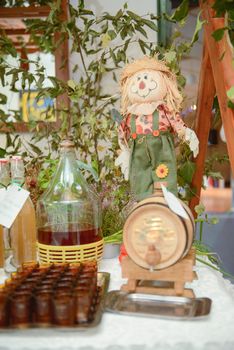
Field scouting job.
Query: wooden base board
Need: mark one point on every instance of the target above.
(177, 275)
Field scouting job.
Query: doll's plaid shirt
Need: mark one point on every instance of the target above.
(144, 123)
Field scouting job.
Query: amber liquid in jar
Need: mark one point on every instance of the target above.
(71, 237)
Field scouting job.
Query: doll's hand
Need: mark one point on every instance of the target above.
(123, 161)
(192, 140)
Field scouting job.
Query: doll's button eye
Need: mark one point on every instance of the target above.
(146, 77)
(138, 78)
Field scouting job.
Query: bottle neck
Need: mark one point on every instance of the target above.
(68, 166)
(17, 172)
(68, 157)
(68, 153)
(67, 150)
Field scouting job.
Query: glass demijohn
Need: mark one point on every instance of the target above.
(68, 213)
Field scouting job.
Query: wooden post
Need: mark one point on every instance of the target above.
(206, 92)
(223, 72)
(220, 56)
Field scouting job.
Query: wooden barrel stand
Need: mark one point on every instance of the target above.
(169, 281)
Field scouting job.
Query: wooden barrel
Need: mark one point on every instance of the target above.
(154, 236)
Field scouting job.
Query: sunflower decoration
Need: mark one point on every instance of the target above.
(162, 171)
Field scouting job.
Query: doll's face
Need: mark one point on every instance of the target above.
(146, 86)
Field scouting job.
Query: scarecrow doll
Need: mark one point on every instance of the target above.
(150, 105)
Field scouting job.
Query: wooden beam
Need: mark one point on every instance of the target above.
(24, 12)
(223, 73)
(206, 92)
(18, 31)
(23, 127)
(30, 49)
(14, 31)
(20, 44)
(29, 46)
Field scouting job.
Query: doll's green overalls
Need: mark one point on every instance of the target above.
(151, 155)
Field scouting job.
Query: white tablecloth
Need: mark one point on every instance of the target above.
(117, 332)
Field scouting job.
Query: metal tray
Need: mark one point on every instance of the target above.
(103, 280)
(156, 305)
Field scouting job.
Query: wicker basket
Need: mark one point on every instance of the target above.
(59, 254)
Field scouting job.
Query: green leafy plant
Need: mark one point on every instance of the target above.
(211, 163)
(185, 171)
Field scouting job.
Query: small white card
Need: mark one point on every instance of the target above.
(173, 203)
(11, 203)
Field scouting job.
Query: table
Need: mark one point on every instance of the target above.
(118, 332)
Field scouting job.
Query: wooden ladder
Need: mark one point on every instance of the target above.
(216, 77)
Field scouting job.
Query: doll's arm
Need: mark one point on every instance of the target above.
(123, 158)
(191, 138)
(124, 132)
(185, 134)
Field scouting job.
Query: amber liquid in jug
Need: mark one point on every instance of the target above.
(68, 213)
(71, 237)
